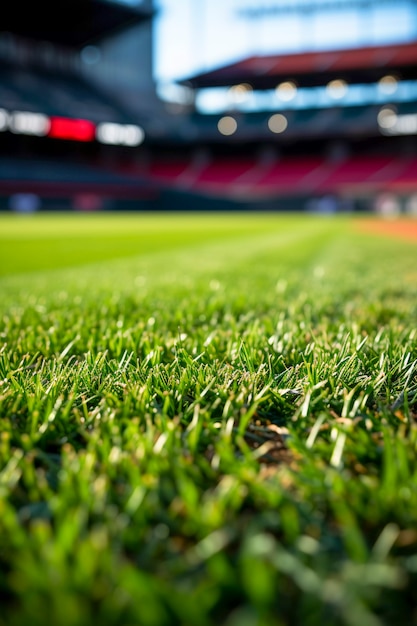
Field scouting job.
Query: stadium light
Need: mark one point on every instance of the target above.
(391, 123)
(277, 123)
(406, 124)
(177, 94)
(26, 123)
(239, 93)
(120, 134)
(388, 84)
(387, 118)
(227, 125)
(286, 91)
(337, 88)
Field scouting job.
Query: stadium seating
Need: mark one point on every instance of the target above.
(370, 170)
(287, 176)
(168, 170)
(337, 148)
(406, 178)
(66, 178)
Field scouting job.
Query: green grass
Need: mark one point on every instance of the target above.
(207, 419)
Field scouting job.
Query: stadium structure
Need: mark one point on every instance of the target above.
(82, 125)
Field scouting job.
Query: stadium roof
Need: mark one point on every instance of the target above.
(71, 23)
(310, 69)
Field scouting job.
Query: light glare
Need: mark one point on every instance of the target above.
(25, 123)
(286, 91)
(239, 93)
(387, 118)
(120, 134)
(277, 123)
(337, 88)
(227, 125)
(391, 123)
(388, 85)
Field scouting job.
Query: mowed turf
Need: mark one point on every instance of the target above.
(207, 419)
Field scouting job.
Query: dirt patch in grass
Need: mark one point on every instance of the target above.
(404, 229)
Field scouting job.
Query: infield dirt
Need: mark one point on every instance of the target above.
(405, 229)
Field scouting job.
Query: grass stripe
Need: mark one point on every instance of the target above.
(212, 421)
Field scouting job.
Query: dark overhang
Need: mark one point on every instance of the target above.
(73, 23)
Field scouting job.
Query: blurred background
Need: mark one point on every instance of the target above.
(209, 104)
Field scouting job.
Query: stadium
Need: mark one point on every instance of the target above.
(208, 344)
(88, 123)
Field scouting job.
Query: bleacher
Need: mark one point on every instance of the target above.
(287, 176)
(62, 182)
(338, 148)
(341, 148)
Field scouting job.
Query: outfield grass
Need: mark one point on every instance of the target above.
(205, 420)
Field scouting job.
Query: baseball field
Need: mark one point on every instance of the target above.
(208, 419)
